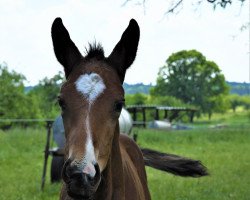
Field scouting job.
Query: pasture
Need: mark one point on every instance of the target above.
(224, 151)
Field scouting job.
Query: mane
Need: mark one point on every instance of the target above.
(95, 50)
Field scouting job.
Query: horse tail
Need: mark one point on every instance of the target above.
(174, 164)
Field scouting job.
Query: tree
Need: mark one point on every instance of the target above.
(235, 101)
(166, 101)
(188, 76)
(11, 90)
(14, 103)
(46, 93)
(136, 99)
(245, 101)
(175, 4)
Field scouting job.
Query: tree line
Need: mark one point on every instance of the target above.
(241, 89)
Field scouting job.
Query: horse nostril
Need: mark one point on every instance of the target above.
(70, 171)
(97, 169)
(65, 175)
(93, 180)
(89, 175)
(97, 178)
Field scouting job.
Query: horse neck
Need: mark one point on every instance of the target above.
(112, 184)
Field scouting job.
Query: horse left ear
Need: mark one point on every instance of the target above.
(124, 53)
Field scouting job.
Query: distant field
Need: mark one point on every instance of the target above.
(224, 151)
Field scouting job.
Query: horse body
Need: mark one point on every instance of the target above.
(99, 162)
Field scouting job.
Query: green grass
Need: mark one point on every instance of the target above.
(225, 152)
(229, 118)
(21, 158)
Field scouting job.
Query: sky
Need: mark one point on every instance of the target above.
(26, 46)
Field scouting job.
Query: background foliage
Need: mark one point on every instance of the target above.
(188, 76)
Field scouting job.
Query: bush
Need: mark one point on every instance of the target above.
(136, 99)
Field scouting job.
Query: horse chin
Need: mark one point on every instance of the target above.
(80, 193)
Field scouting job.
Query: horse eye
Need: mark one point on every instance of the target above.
(119, 105)
(61, 103)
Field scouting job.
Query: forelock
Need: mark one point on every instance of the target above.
(95, 50)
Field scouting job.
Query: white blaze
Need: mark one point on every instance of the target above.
(90, 86)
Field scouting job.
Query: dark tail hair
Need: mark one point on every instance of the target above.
(174, 164)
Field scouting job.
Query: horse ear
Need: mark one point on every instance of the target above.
(124, 53)
(65, 50)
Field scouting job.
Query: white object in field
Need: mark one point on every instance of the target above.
(157, 124)
(125, 122)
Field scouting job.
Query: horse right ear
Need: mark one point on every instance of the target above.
(65, 50)
(124, 53)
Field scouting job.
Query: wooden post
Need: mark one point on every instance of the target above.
(46, 152)
(192, 116)
(144, 117)
(165, 114)
(174, 115)
(156, 114)
(134, 114)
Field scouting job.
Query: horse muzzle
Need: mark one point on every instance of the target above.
(80, 185)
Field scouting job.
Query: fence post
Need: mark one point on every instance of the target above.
(144, 117)
(46, 152)
(156, 114)
(192, 116)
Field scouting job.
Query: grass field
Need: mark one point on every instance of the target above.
(225, 152)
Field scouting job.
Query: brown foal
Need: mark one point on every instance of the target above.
(101, 163)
